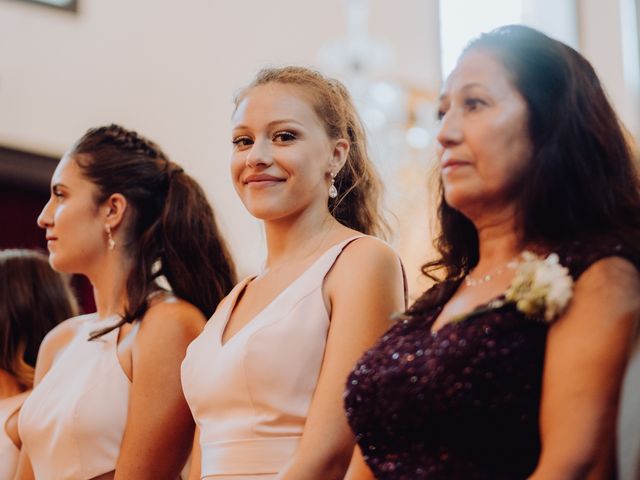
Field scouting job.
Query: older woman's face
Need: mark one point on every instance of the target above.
(483, 139)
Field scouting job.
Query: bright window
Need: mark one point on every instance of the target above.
(463, 20)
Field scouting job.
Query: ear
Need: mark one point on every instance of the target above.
(115, 207)
(339, 157)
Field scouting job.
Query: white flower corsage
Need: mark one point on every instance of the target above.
(541, 287)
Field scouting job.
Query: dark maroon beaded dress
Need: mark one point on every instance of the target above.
(462, 403)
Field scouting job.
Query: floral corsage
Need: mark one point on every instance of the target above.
(540, 288)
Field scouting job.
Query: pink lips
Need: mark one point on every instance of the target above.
(50, 239)
(452, 164)
(262, 180)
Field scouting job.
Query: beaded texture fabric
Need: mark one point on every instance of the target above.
(461, 403)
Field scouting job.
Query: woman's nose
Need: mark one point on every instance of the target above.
(450, 130)
(259, 154)
(45, 219)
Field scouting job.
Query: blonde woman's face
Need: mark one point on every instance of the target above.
(282, 156)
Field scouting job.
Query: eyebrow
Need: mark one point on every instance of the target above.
(465, 87)
(272, 123)
(58, 185)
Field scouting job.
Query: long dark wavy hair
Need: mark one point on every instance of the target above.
(33, 299)
(358, 204)
(170, 229)
(582, 181)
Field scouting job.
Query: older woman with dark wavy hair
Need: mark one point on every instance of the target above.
(510, 366)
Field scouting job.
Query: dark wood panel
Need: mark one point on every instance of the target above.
(24, 189)
(29, 170)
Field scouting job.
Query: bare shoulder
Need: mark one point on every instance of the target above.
(367, 267)
(172, 320)
(613, 278)
(605, 296)
(56, 341)
(368, 255)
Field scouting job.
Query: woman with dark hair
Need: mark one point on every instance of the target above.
(107, 401)
(510, 366)
(265, 379)
(33, 299)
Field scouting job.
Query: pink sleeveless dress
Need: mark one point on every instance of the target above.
(8, 451)
(250, 396)
(72, 424)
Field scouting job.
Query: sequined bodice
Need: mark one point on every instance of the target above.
(462, 403)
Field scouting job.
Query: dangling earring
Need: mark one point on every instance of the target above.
(110, 241)
(333, 191)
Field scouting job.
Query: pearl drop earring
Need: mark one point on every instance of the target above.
(333, 191)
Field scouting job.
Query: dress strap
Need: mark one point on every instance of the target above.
(578, 256)
(330, 256)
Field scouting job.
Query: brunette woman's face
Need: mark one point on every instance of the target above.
(484, 145)
(282, 156)
(75, 226)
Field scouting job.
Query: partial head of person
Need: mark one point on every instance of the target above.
(116, 194)
(526, 129)
(33, 299)
(299, 144)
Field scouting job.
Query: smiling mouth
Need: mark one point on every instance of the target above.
(262, 181)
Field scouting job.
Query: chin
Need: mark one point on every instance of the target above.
(56, 263)
(257, 209)
(456, 199)
(62, 265)
(462, 203)
(265, 215)
(265, 209)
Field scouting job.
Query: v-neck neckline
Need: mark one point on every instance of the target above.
(241, 288)
(465, 316)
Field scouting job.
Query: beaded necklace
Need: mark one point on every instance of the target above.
(512, 264)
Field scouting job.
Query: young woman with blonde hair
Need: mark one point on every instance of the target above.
(264, 380)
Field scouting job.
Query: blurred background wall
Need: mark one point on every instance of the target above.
(170, 69)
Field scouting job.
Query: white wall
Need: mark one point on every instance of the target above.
(562, 24)
(604, 40)
(169, 69)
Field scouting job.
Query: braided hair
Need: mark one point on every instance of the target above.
(170, 230)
